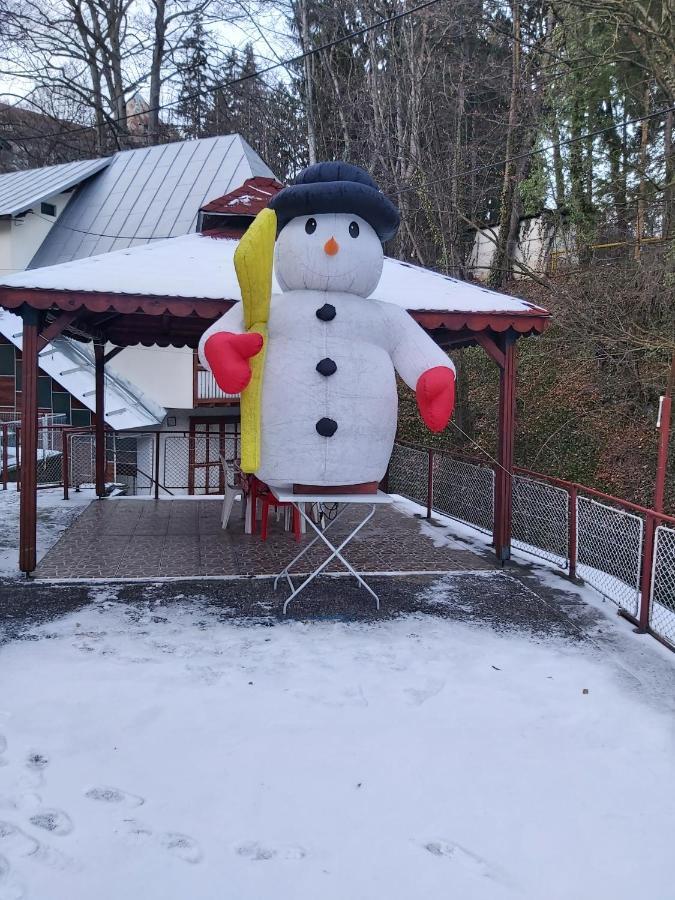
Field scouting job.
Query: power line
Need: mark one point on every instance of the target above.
(271, 68)
(425, 184)
(504, 162)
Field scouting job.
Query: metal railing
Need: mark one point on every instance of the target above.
(625, 551)
(206, 388)
(49, 450)
(152, 463)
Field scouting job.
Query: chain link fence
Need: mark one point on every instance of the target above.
(186, 464)
(49, 450)
(464, 491)
(408, 473)
(662, 600)
(609, 551)
(540, 522)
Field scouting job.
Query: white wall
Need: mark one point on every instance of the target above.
(20, 237)
(533, 250)
(163, 373)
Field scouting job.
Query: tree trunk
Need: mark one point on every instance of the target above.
(501, 265)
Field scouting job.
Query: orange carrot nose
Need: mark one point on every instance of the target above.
(331, 246)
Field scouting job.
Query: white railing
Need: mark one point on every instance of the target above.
(207, 388)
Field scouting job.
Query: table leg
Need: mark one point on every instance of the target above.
(285, 573)
(336, 553)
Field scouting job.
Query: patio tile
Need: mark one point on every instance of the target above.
(149, 538)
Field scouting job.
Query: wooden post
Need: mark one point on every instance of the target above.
(99, 353)
(5, 455)
(65, 464)
(29, 423)
(157, 465)
(503, 475)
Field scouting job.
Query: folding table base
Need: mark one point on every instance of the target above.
(336, 552)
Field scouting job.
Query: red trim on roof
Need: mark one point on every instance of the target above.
(523, 322)
(247, 200)
(100, 301)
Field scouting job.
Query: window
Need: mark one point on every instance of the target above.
(47, 209)
(6, 359)
(81, 417)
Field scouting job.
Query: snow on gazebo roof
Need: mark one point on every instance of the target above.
(200, 267)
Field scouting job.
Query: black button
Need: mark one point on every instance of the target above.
(326, 313)
(327, 366)
(326, 427)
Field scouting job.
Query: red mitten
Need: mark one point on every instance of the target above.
(435, 392)
(228, 354)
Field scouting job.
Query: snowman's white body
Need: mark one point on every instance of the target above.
(368, 340)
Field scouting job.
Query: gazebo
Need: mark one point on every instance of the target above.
(167, 293)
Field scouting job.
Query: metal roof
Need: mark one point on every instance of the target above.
(147, 194)
(20, 191)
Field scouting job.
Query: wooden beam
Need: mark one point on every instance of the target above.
(55, 328)
(111, 354)
(491, 348)
(99, 359)
(29, 427)
(503, 505)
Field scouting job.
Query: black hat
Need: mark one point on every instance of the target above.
(337, 187)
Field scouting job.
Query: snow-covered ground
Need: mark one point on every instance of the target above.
(164, 752)
(54, 515)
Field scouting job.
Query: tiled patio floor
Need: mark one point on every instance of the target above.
(162, 538)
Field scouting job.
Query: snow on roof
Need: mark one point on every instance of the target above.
(248, 199)
(148, 194)
(19, 191)
(71, 364)
(199, 265)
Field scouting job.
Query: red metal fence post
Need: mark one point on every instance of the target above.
(65, 464)
(157, 465)
(572, 545)
(100, 477)
(430, 482)
(5, 456)
(646, 576)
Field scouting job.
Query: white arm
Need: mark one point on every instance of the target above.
(412, 350)
(232, 321)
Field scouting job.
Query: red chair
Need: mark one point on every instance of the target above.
(261, 491)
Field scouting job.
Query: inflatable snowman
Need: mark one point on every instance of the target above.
(328, 400)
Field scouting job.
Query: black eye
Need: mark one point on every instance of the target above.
(354, 229)
(310, 226)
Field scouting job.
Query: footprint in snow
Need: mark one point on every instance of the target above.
(182, 846)
(257, 852)
(469, 860)
(53, 820)
(418, 696)
(9, 889)
(37, 762)
(114, 795)
(15, 842)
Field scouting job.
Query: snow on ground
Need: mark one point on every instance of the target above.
(162, 752)
(54, 515)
